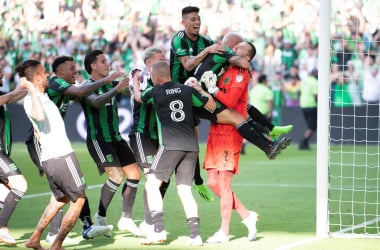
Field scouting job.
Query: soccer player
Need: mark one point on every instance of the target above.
(108, 149)
(173, 104)
(61, 90)
(143, 136)
(188, 49)
(60, 164)
(12, 183)
(223, 148)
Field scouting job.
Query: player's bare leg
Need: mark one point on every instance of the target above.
(68, 222)
(50, 211)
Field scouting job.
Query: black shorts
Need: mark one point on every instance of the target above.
(110, 154)
(165, 162)
(7, 166)
(65, 177)
(310, 115)
(203, 113)
(144, 149)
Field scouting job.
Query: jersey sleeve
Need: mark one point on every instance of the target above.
(147, 95)
(179, 45)
(58, 85)
(198, 99)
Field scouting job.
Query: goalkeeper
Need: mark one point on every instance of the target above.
(217, 63)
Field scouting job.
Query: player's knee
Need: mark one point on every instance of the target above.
(213, 184)
(18, 182)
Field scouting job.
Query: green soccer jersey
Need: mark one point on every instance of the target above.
(5, 130)
(56, 89)
(144, 117)
(103, 122)
(181, 45)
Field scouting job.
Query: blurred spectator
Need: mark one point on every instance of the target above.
(278, 98)
(271, 62)
(288, 54)
(354, 84)
(7, 75)
(291, 87)
(341, 97)
(371, 81)
(261, 96)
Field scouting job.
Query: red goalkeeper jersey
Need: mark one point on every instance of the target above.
(224, 141)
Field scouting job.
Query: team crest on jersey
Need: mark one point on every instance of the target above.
(109, 158)
(239, 78)
(226, 80)
(13, 167)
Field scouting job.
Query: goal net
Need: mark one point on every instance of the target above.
(353, 148)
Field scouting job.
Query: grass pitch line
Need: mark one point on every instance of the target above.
(299, 243)
(234, 184)
(49, 193)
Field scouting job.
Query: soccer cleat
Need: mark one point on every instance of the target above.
(276, 148)
(204, 192)
(250, 223)
(218, 237)
(96, 230)
(197, 241)
(155, 238)
(145, 228)
(277, 131)
(127, 224)
(6, 237)
(51, 237)
(100, 220)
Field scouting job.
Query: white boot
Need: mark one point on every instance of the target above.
(250, 223)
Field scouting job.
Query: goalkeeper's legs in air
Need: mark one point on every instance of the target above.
(253, 135)
(260, 122)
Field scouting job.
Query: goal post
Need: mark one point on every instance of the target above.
(323, 118)
(348, 138)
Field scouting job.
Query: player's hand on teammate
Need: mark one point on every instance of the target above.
(216, 49)
(114, 76)
(123, 84)
(192, 82)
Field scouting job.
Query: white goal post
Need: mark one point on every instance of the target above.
(348, 137)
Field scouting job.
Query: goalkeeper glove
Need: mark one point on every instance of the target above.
(209, 79)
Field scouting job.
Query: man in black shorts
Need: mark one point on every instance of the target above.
(12, 183)
(105, 144)
(61, 90)
(173, 104)
(188, 48)
(143, 136)
(60, 164)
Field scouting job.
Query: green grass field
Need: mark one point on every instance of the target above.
(282, 192)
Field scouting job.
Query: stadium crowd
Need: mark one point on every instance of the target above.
(285, 34)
